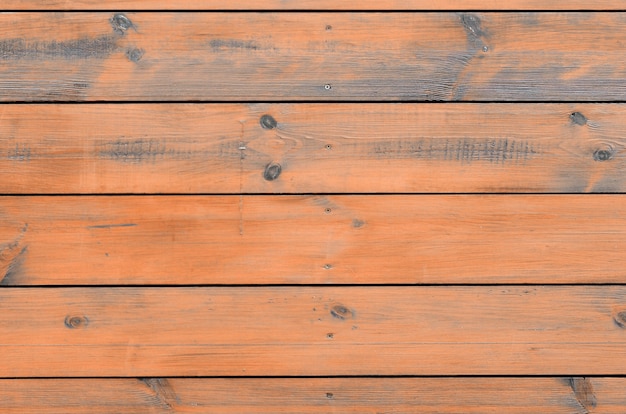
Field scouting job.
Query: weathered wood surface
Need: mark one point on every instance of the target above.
(566, 395)
(312, 239)
(312, 56)
(319, 148)
(230, 214)
(313, 5)
(313, 331)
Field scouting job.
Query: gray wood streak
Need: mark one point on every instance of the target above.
(310, 395)
(323, 56)
(312, 148)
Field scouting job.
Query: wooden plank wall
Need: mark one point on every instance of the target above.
(304, 207)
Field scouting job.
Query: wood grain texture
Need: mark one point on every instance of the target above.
(313, 5)
(312, 239)
(313, 331)
(312, 56)
(321, 148)
(567, 395)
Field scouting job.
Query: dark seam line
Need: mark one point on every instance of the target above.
(308, 285)
(307, 194)
(243, 377)
(341, 11)
(305, 101)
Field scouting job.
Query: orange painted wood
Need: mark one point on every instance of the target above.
(314, 5)
(320, 148)
(312, 56)
(313, 331)
(569, 395)
(312, 239)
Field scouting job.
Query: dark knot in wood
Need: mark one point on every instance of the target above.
(268, 122)
(341, 312)
(76, 322)
(120, 23)
(578, 118)
(272, 171)
(620, 319)
(602, 155)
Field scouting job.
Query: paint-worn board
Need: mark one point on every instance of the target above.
(313, 331)
(312, 56)
(569, 395)
(319, 148)
(312, 239)
(313, 5)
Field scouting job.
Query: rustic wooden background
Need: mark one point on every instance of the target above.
(293, 206)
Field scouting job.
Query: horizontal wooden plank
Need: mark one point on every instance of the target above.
(81, 240)
(313, 148)
(568, 395)
(313, 331)
(312, 56)
(313, 5)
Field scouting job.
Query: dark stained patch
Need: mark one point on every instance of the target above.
(341, 312)
(84, 48)
(12, 256)
(19, 153)
(14, 268)
(162, 392)
(620, 319)
(530, 18)
(578, 118)
(109, 226)
(268, 122)
(135, 54)
(121, 23)
(583, 391)
(152, 150)
(138, 150)
(473, 26)
(602, 155)
(459, 63)
(272, 171)
(225, 44)
(465, 150)
(76, 322)
(356, 223)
